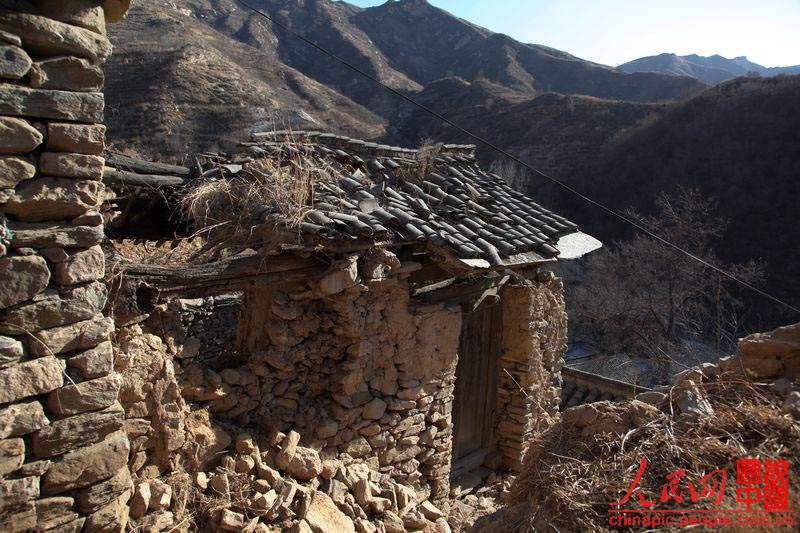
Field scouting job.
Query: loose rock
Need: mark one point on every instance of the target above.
(232, 521)
(324, 517)
(305, 464)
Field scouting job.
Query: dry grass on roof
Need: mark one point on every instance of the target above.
(569, 478)
(268, 188)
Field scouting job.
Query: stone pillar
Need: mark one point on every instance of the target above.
(63, 456)
(534, 341)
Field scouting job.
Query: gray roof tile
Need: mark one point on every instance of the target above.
(381, 192)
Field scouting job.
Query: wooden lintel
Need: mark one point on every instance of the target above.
(460, 292)
(112, 176)
(145, 167)
(222, 276)
(332, 248)
(242, 284)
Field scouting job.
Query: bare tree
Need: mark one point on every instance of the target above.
(650, 301)
(512, 172)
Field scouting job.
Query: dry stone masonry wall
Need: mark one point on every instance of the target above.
(314, 406)
(334, 409)
(534, 341)
(63, 451)
(346, 387)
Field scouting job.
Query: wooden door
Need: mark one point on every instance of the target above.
(476, 381)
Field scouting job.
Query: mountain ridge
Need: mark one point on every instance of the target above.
(197, 75)
(247, 68)
(712, 69)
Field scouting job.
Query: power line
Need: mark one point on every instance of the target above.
(514, 158)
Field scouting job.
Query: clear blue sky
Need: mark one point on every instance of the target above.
(616, 31)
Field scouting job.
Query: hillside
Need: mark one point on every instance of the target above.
(736, 142)
(711, 70)
(560, 134)
(193, 74)
(198, 74)
(177, 85)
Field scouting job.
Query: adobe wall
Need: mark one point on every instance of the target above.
(63, 453)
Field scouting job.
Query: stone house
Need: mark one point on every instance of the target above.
(328, 358)
(403, 320)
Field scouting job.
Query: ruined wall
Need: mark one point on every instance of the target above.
(364, 375)
(534, 341)
(62, 452)
(206, 329)
(337, 382)
(337, 399)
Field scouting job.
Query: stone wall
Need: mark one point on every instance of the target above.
(341, 387)
(63, 453)
(351, 375)
(331, 411)
(205, 328)
(534, 341)
(366, 375)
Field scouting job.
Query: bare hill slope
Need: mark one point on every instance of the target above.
(188, 74)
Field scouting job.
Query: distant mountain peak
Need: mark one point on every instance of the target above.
(708, 69)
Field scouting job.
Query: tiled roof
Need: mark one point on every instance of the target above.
(385, 192)
(581, 387)
(439, 197)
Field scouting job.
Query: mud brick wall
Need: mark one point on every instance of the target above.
(63, 453)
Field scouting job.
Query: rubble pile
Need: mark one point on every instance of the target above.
(289, 487)
(745, 406)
